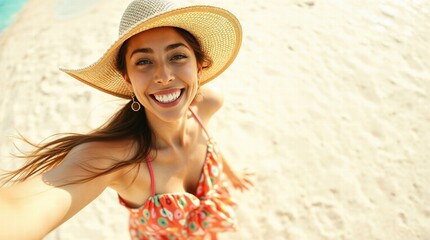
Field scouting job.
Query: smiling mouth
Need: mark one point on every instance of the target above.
(167, 97)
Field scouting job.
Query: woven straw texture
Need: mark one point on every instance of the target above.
(218, 31)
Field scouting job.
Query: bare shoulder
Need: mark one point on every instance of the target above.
(211, 100)
(105, 149)
(94, 157)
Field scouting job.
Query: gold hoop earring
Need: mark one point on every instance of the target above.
(135, 105)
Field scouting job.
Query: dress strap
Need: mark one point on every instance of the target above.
(148, 158)
(151, 173)
(200, 123)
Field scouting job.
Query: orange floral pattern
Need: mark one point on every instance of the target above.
(184, 215)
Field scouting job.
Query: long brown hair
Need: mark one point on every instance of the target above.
(125, 124)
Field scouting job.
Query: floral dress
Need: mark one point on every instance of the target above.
(184, 215)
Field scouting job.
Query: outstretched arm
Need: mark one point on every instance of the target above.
(33, 208)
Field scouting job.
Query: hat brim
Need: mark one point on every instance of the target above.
(218, 31)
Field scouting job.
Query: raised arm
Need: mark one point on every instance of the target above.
(208, 101)
(33, 208)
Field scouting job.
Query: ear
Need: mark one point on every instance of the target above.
(127, 82)
(199, 72)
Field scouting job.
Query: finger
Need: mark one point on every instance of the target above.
(249, 182)
(246, 181)
(249, 173)
(242, 187)
(239, 186)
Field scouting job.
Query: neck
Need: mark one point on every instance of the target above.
(168, 134)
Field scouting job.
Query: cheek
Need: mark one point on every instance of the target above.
(189, 74)
(138, 80)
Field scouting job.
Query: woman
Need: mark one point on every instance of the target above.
(155, 152)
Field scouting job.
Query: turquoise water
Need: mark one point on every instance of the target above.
(8, 10)
(63, 9)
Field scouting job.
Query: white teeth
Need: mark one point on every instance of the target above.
(168, 98)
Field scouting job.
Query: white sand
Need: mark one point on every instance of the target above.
(328, 102)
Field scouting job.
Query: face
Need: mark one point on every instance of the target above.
(162, 71)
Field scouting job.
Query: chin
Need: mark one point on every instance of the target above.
(172, 115)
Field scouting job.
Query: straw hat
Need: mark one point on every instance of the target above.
(217, 30)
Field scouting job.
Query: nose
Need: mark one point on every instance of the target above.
(164, 74)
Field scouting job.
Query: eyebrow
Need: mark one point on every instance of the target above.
(166, 49)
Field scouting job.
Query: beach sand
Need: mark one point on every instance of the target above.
(327, 102)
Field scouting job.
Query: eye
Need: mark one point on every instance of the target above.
(178, 57)
(143, 62)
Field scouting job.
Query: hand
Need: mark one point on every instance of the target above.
(239, 180)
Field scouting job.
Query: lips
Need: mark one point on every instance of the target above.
(166, 97)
